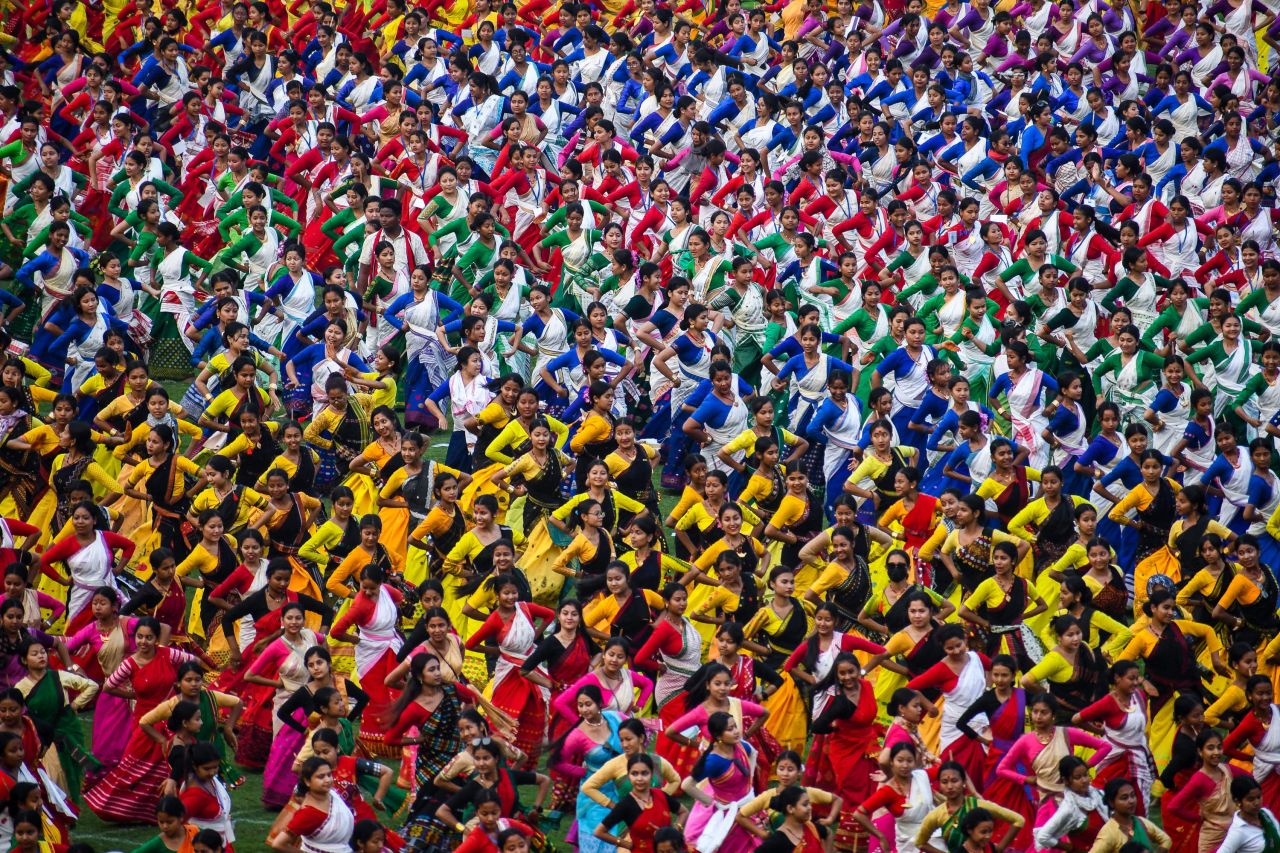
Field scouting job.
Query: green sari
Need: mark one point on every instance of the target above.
(58, 722)
(950, 830)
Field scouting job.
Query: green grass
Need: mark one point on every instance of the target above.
(251, 820)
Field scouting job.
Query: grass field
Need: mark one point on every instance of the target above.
(251, 819)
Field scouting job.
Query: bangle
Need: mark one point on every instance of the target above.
(459, 827)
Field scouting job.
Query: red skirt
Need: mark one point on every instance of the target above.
(1185, 835)
(1014, 798)
(1271, 792)
(255, 726)
(1121, 768)
(523, 701)
(682, 757)
(373, 724)
(971, 756)
(317, 243)
(852, 781)
(130, 792)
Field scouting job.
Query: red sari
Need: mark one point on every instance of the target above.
(512, 692)
(642, 824)
(767, 746)
(1007, 724)
(1186, 835)
(130, 791)
(254, 741)
(844, 757)
(916, 527)
(346, 784)
(571, 665)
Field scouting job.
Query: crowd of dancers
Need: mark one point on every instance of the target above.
(665, 426)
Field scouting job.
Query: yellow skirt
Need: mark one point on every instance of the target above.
(1161, 731)
(788, 717)
(931, 730)
(887, 682)
(453, 601)
(362, 486)
(42, 518)
(537, 562)
(1051, 591)
(415, 566)
(395, 534)
(480, 485)
(1162, 562)
(344, 654)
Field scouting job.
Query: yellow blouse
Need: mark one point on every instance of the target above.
(1034, 515)
(242, 442)
(382, 396)
(1231, 701)
(898, 510)
(745, 441)
(1242, 589)
(790, 510)
(758, 489)
(164, 710)
(760, 803)
(329, 420)
(952, 542)
(1144, 640)
(1138, 498)
(708, 558)
(617, 464)
(227, 401)
(830, 578)
(937, 818)
(465, 550)
(1099, 622)
(989, 594)
(1111, 837)
(582, 549)
(287, 465)
(768, 621)
(600, 612)
(44, 440)
(594, 428)
(143, 470)
(251, 503)
(138, 437)
(528, 467)
(1201, 582)
(872, 466)
(991, 487)
(124, 404)
(351, 565)
(103, 483)
(621, 503)
(513, 435)
(395, 482)
(201, 560)
(316, 548)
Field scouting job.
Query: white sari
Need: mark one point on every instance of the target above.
(1130, 741)
(970, 685)
(378, 636)
(1026, 416)
(734, 424)
(334, 835)
(90, 568)
(514, 648)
